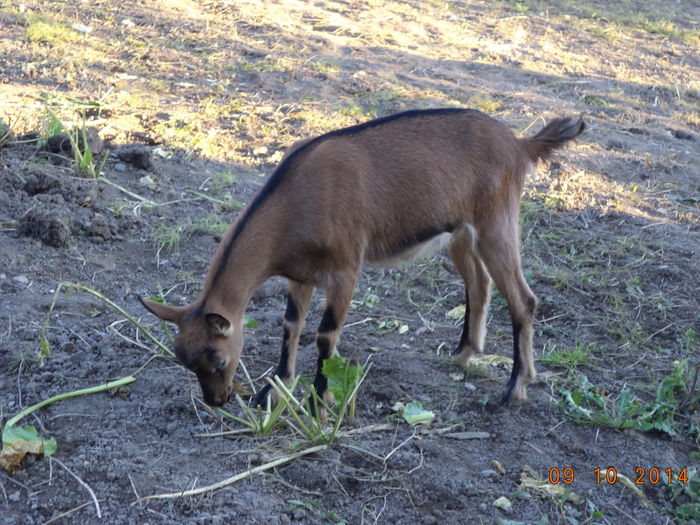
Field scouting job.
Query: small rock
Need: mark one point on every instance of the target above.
(21, 279)
(119, 167)
(299, 514)
(488, 473)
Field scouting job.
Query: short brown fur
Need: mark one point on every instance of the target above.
(373, 192)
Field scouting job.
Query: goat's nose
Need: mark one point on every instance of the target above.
(213, 399)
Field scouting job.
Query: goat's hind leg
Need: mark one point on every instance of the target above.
(298, 299)
(477, 291)
(500, 249)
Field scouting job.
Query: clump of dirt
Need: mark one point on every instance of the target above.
(53, 225)
(61, 143)
(137, 155)
(62, 207)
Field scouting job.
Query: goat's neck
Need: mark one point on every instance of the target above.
(236, 273)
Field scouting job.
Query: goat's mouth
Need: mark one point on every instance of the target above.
(217, 399)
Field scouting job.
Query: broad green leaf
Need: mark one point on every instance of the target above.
(414, 414)
(342, 377)
(18, 442)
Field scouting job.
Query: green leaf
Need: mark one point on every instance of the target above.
(17, 442)
(414, 414)
(12, 435)
(342, 377)
(50, 446)
(87, 158)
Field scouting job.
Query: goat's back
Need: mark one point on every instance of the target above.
(403, 181)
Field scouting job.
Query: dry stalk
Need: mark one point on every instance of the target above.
(85, 486)
(233, 479)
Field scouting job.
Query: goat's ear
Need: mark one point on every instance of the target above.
(219, 326)
(172, 314)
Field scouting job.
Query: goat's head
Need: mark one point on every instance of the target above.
(208, 344)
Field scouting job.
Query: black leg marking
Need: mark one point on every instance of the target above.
(328, 321)
(517, 364)
(283, 366)
(282, 371)
(324, 352)
(321, 381)
(464, 340)
(292, 313)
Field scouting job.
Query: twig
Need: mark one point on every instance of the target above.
(67, 513)
(409, 438)
(365, 320)
(340, 485)
(237, 477)
(19, 383)
(133, 487)
(2, 487)
(85, 485)
(376, 514)
(19, 484)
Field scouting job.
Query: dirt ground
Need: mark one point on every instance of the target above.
(195, 103)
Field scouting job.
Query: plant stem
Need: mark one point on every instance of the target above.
(147, 202)
(66, 395)
(115, 306)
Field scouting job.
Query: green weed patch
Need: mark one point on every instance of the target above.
(675, 399)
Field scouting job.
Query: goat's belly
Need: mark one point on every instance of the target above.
(386, 257)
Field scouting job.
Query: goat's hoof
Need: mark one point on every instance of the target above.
(514, 394)
(262, 396)
(318, 410)
(461, 358)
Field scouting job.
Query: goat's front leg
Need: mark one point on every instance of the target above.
(338, 296)
(298, 300)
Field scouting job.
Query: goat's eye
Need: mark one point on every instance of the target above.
(220, 364)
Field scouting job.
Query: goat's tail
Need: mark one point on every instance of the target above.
(552, 136)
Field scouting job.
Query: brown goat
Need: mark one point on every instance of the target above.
(377, 191)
